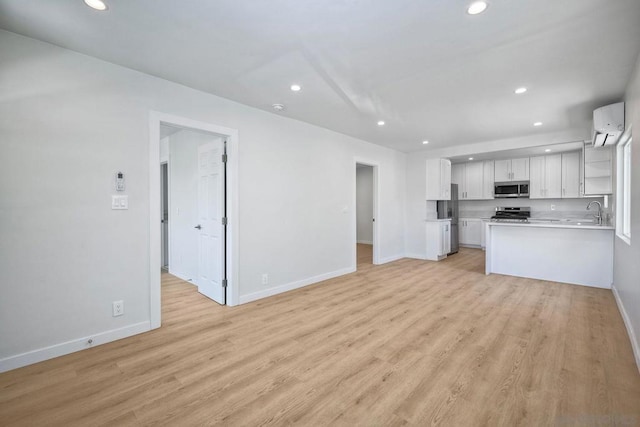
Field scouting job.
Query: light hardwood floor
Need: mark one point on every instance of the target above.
(407, 343)
(365, 256)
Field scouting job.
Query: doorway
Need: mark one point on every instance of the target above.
(195, 197)
(366, 190)
(194, 203)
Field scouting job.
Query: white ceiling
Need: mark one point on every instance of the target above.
(426, 68)
(539, 150)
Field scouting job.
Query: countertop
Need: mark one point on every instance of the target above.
(437, 220)
(554, 224)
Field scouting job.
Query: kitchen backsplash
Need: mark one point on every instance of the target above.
(548, 208)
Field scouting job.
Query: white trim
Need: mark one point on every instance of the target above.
(621, 194)
(391, 258)
(294, 285)
(365, 242)
(56, 350)
(233, 289)
(376, 210)
(635, 344)
(416, 256)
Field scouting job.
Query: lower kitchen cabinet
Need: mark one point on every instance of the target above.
(483, 233)
(470, 230)
(438, 239)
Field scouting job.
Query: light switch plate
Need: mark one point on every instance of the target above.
(119, 202)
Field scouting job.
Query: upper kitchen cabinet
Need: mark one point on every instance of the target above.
(488, 181)
(512, 170)
(546, 177)
(475, 180)
(571, 185)
(438, 179)
(598, 170)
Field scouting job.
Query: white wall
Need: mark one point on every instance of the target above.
(364, 204)
(183, 196)
(626, 269)
(68, 122)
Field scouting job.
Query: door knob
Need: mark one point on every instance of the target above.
(199, 227)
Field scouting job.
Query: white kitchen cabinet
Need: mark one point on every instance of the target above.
(536, 179)
(438, 179)
(483, 234)
(438, 239)
(571, 175)
(445, 238)
(502, 170)
(473, 180)
(470, 232)
(520, 169)
(553, 176)
(487, 179)
(470, 178)
(598, 170)
(511, 170)
(545, 177)
(458, 177)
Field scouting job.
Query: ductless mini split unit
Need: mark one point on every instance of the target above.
(608, 124)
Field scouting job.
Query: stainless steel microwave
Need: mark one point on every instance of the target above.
(504, 190)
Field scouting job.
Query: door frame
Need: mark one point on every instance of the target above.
(155, 120)
(376, 210)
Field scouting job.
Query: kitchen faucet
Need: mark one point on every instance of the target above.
(599, 215)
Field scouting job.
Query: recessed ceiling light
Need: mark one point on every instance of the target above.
(296, 88)
(537, 124)
(520, 90)
(278, 107)
(477, 7)
(547, 150)
(470, 158)
(381, 123)
(425, 142)
(96, 4)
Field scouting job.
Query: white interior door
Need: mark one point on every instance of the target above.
(210, 228)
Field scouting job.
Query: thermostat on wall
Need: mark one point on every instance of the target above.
(119, 181)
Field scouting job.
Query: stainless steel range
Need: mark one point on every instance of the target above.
(512, 214)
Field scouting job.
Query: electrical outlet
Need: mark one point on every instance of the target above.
(553, 207)
(118, 308)
(265, 279)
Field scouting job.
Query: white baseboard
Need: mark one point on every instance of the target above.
(365, 242)
(390, 259)
(46, 353)
(294, 285)
(416, 256)
(181, 276)
(635, 345)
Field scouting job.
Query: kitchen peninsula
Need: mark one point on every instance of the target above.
(569, 251)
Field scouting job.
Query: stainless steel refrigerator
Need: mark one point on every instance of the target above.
(449, 209)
